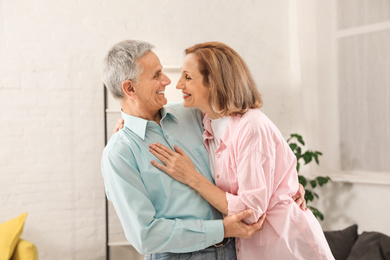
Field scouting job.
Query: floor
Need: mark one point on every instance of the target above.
(124, 253)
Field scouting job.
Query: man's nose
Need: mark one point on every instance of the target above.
(165, 81)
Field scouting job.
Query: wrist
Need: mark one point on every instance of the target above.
(195, 180)
(225, 230)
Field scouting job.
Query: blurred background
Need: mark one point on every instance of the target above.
(322, 67)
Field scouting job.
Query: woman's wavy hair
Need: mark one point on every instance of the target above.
(232, 88)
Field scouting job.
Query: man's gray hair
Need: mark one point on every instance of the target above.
(121, 64)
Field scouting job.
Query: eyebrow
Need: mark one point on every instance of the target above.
(157, 72)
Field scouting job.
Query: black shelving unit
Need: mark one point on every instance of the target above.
(105, 143)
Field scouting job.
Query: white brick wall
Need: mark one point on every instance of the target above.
(51, 104)
(51, 97)
(51, 119)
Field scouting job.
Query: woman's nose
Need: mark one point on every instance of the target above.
(180, 84)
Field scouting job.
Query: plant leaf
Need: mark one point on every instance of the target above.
(322, 180)
(307, 156)
(294, 141)
(308, 196)
(315, 155)
(300, 139)
(298, 153)
(316, 212)
(302, 180)
(293, 146)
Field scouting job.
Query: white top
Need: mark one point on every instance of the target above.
(218, 126)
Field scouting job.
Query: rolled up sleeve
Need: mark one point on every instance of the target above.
(255, 180)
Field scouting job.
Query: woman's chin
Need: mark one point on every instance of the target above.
(186, 104)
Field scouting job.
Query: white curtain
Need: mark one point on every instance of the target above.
(344, 65)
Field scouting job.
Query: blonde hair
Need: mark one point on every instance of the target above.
(232, 88)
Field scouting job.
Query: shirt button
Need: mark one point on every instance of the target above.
(218, 176)
(167, 137)
(238, 250)
(218, 155)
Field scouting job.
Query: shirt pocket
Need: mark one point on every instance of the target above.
(201, 156)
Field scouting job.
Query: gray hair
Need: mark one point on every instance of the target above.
(121, 64)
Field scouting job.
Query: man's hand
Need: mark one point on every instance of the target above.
(234, 227)
(119, 125)
(299, 197)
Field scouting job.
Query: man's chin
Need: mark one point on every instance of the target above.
(163, 102)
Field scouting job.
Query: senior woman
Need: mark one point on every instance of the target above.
(252, 164)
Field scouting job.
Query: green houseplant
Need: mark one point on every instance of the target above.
(296, 144)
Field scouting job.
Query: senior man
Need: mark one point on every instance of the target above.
(161, 217)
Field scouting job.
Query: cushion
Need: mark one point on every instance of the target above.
(10, 232)
(342, 241)
(371, 245)
(25, 250)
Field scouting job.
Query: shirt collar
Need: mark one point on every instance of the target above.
(138, 125)
(208, 131)
(167, 111)
(135, 124)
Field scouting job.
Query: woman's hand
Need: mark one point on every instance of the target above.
(299, 197)
(119, 125)
(177, 164)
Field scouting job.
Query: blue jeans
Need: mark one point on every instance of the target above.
(226, 252)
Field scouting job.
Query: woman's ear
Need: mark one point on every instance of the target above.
(128, 88)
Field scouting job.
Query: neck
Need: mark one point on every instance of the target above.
(213, 116)
(141, 112)
(210, 112)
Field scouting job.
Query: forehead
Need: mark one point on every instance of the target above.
(190, 62)
(149, 62)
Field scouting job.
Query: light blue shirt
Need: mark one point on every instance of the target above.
(158, 213)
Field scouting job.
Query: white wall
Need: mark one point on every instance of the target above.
(51, 100)
(364, 204)
(354, 197)
(51, 120)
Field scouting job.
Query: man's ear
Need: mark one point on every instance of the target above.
(128, 88)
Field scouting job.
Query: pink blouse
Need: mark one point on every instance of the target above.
(256, 168)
